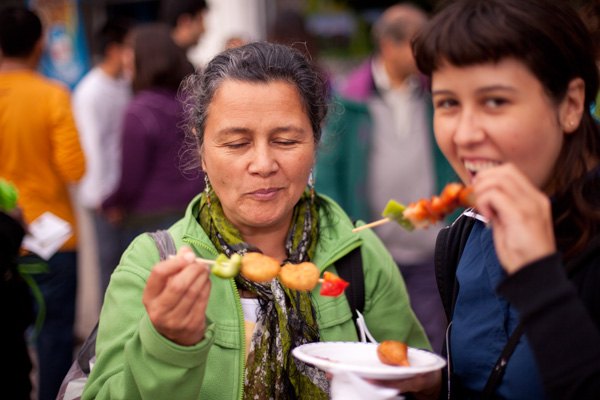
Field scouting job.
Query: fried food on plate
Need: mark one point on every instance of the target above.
(393, 352)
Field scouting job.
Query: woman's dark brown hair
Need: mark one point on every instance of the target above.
(552, 41)
(159, 62)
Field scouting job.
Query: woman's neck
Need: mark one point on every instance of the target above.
(270, 240)
(271, 243)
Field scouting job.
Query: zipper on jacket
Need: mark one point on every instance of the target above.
(200, 244)
(243, 335)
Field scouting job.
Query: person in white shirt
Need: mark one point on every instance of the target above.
(99, 103)
(379, 146)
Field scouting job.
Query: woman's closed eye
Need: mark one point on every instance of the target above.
(285, 142)
(236, 145)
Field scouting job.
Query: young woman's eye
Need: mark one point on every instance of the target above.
(445, 103)
(495, 102)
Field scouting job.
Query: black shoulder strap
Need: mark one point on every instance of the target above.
(498, 372)
(166, 246)
(350, 269)
(449, 246)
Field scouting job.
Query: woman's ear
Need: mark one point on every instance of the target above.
(571, 107)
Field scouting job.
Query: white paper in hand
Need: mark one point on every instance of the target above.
(46, 234)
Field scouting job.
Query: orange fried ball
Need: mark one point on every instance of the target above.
(259, 268)
(303, 276)
(393, 352)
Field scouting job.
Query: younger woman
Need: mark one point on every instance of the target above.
(512, 84)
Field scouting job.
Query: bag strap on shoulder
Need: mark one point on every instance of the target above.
(350, 268)
(164, 243)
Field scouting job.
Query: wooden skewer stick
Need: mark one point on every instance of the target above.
(198, 259)
(372, 224)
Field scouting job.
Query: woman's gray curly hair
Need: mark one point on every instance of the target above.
(259, 62)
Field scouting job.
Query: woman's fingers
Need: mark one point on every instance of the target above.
(519, 212)
(160, 275)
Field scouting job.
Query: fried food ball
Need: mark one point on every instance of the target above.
(258, 267)
(393, 352)
(303, 276)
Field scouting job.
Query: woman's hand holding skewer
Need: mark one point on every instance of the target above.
(176, 296)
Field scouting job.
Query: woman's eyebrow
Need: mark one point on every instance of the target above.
(492, 88)
(232, 130)
(288, 128)
(441, 92)
(484, 89)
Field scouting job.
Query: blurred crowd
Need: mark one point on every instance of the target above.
(114, 148)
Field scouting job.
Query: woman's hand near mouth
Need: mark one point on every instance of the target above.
(519, 214)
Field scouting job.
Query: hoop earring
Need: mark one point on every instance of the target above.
(207, 188)
(311, 186)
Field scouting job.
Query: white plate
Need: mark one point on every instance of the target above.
(361, 358)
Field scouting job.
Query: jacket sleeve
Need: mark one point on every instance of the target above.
(564, 338)
(133, 361)
(388, 313)
(67, 153)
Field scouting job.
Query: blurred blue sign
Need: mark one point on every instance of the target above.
(65, 56)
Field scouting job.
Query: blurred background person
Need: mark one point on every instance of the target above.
(153, 191)
(185, 19)
(16, 306)
(99, 103)
(41, 155)
(289, 28)
(379, 146)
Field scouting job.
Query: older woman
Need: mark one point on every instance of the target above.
(169, 329)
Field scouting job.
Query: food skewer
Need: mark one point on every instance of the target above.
(425, 212)
(258, 267)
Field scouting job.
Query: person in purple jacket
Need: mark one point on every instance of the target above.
(154, 188)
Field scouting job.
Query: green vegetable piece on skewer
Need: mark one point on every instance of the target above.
(395, 212)
(227, 267)
(8, 196)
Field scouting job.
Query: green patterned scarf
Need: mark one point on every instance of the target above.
(286, 318)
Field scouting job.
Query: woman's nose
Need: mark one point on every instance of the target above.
(264, 161)
(469, 129)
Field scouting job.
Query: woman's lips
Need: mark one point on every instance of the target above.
(264, 194)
